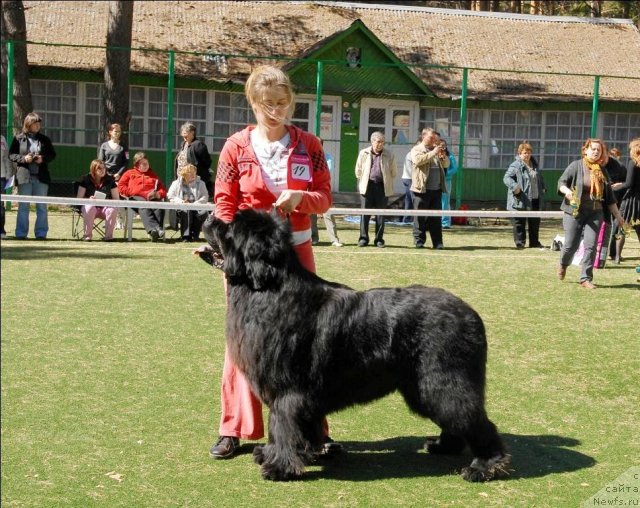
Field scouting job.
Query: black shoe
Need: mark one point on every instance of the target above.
(536, 246)
(380, 245)
(154, 235)
(330, 447)
(519, 246)
(419, 245)
(362, 243)
(439, 247)
(225, 447)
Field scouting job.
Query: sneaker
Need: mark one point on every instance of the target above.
(160, 233)
(336, 244)
(362, 243)
(587, 284)
(86, 238)
(225, 447)
(330, 447)
(314, 242)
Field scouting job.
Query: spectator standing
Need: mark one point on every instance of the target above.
(255, 170)
(525, 191)
(630, 205)
(189, 188)
(618, 174)
(195, 151)
(32, 151)
(430, 163)
(375, 171)
(7, 173)
(113, 153)
(98, 180)
(448, 178)
(142, 184)
(586, 190)
(329, 220)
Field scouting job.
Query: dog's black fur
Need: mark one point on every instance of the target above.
(310, 347)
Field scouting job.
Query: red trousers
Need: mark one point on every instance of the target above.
(241, 409)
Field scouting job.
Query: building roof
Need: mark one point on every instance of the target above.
(534, 45)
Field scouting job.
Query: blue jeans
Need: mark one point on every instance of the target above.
(446, 204)
(408, 198)
(34, 188)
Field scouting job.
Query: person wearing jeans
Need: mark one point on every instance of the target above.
(586, 190)
(32, 151)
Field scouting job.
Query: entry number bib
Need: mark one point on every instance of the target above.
(300, 167)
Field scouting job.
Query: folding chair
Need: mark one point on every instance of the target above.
(77, 221)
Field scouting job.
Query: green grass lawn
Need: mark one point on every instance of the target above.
(112, 356)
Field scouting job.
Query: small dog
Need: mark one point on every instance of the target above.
(311, 347)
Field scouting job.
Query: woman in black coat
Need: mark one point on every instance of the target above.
(32, 151)
(194, 151)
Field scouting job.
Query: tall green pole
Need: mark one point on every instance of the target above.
(594, 108)
(463, 128)
(168, 157)
(319, 84)
(10, 67)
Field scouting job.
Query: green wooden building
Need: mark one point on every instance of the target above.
(552, 81)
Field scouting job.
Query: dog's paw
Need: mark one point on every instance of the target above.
(258, 454)
(274, 473)
(486, 470)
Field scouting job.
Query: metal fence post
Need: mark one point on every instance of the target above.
(463, 126)
(168, 156)
(319, 79)
(594, 109)
(10, 67)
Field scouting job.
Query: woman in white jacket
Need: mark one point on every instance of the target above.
(189, 188)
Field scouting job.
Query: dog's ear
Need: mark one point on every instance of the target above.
(266, 248)
(212, 228)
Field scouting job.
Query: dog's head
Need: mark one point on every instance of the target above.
(253, 249)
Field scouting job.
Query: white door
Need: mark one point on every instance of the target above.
(304, 117)
(398, 121)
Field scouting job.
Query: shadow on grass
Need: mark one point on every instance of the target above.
(23, 253)
(403, 457)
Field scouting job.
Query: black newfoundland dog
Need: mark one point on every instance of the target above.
(311, 347)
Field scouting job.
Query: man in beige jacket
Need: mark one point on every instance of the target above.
(375, 171)
(430, 163)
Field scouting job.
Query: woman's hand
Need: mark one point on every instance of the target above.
(288, 200)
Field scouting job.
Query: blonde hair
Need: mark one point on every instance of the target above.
(93, 167)
(188, 168)
(615, 152)
(634, 150)
(29, 120)
(264, 78)
(138, 157)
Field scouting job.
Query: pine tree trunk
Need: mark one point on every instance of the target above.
(14, 27)
(116, 70)
(515, 6)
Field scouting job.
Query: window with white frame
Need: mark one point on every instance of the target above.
(137, 103)
(231, 113)
(618, 129)
(564, 134)
(301, 114)
(93, 114)
(190, 106)
(57, 103)
(507, 129)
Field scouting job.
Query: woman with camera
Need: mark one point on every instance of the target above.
(32, 151)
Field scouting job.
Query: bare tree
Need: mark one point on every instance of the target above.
(596, 8)
(515, 6)
(116, 70)
(14, 27)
